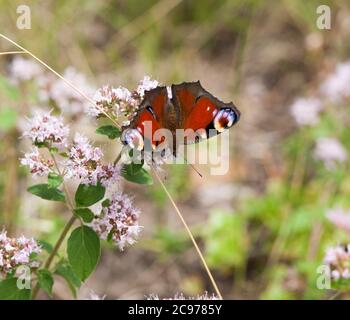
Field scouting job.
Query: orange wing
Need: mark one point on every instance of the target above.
(197, 107)
(151, 110)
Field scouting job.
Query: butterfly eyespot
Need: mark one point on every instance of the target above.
(224, 119)
(133, 138)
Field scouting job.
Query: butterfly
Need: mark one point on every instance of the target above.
(187, 106)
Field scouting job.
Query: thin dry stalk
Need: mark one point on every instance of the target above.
(189, 233)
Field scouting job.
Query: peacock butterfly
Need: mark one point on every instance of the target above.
(186, 106)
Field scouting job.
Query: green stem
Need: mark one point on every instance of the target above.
(55, 250)
(64, 232)
(117, 159)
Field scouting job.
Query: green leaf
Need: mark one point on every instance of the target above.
(53, 150)
(64, 154)
(65, 270)
(44, 191)
(85, 213)
(46, 281)
(87, 195)
(106, 203)
(9, 89)
(135, 173)
(10, 291)
(8, 118)
(110, 237)
(83, 251)
(54, 180)
(111, 132)
(41, 144)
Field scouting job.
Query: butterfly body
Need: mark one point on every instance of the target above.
(188, 107)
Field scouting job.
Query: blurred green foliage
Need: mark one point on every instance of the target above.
(226, 240)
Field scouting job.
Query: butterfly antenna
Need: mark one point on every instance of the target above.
(193, 167)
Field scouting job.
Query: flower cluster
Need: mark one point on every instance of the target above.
(45, 129)
(338, 260)
(146, 84)
(337, 85)
(330, 151)
(51, 90)
(181, 296)
(116, 102)
(85, 163)
(23, 70)
(119, 103)
(15, 252)
(64, 97)
(306, 111)
(118, 221)
(38, 165)
(334, 88)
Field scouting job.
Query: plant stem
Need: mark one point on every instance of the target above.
(70, 201)
(64, 232)
(117, 159)
(55, 250)
(10, 52)
(190, 234)
(60, 240)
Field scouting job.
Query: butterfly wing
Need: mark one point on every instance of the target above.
(151, 111)
(198, 109)
(191, 108)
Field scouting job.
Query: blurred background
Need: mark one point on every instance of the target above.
(266, 225)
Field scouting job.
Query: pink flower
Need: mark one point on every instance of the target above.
(338, 260)
(119, 103)
(116, 102)
(305, 111)
(68, 99)
(85, 163)
(43, 128)
(53, 89)
(337, 85)
(119, 220)
(330, 151)
(15, 252)
(146, 84)
(109, 174)
(83, 160)
(23, 69)
(105, 99)
(38, 166)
